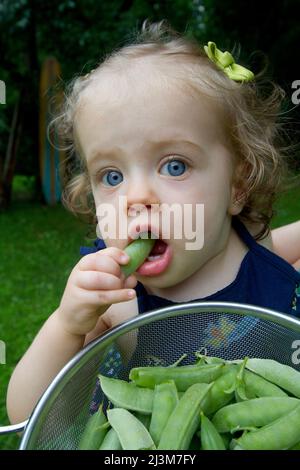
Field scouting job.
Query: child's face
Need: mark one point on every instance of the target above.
(122, 141)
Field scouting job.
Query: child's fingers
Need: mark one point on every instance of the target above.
(108, 297)
(108, 260)
(104, 264)
(95, 280)
(130, 281)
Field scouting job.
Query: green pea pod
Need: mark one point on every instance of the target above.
(131, 432)
(111, 441)
(183, 376)
(204, 359)
(240, 387)
(137, 252)
(257, 387)
(184, 420)
(94, 432)
(144, 419)
(281, 434)
(127, 395)
(164, 402)
(296, 446)
(253, 413)
(222, 390)
(210, 438)
(279, 374)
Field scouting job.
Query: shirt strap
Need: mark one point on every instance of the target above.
(98, 245)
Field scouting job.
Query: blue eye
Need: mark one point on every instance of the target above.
(175, 167)
(112, 178)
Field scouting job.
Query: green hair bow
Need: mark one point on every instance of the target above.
(225, 61)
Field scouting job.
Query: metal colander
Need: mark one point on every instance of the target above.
(160, 337)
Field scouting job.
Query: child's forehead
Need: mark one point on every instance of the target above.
(145, 108)
(149, 102)
(111, 95)
(113, 89)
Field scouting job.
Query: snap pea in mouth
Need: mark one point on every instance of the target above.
(137, 251)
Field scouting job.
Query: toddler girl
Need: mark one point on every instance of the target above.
(158, 122)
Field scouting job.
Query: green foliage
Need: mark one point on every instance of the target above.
(261, 35)
(80, 33)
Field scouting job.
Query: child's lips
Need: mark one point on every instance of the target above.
(158, 264)
(161, 254)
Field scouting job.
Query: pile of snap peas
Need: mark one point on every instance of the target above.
(214, 404)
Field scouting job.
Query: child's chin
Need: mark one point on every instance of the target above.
(163, 281)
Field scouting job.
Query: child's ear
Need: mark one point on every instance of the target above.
(237, 201)
(238, 189)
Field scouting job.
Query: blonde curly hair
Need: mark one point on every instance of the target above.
(251, 112)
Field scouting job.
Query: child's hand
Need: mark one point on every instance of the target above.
(94, 284)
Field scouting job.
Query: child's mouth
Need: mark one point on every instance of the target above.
(158, 260)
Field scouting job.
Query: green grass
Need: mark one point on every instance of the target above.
(38, 248)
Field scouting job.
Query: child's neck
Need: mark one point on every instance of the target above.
(217, 273)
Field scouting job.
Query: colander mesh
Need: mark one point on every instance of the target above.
(161, 342)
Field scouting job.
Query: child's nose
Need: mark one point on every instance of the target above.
(142, 193)
(137, 208)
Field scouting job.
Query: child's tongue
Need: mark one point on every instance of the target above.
(159, 248)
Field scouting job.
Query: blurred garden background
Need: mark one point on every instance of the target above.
(39, 241)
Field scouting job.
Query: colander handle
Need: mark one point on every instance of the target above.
(13, 428)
